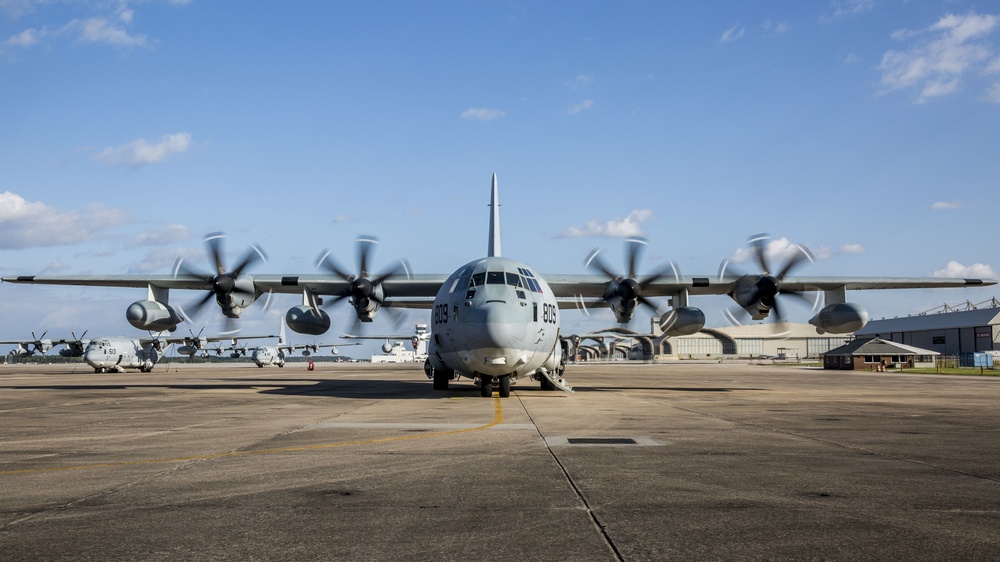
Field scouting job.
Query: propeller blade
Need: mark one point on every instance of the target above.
(757, 243)
(214, 243)
(594, 261)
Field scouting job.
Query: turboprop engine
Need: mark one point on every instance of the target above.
(842, 318)
(682, 321)
(152, 316)
(305, 319)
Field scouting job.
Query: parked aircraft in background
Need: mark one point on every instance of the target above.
(494, 319)
(30, 347)
(393, 347)
(276, 354)
(118, 353)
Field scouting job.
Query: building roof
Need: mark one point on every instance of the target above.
(937, 321)
(878, 346)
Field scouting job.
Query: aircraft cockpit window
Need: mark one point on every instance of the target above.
(478, 280)
(494, 278)
(514, 280)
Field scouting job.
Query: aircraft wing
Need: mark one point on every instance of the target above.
(588, 289)
(573, 290)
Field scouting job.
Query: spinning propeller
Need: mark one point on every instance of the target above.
(757, 294)
(625, 291)
(224, 281)
(365, 292)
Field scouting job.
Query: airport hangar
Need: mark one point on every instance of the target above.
(948, 331)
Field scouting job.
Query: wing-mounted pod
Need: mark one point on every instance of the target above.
(365, 293)
(153, 314)
(193, 344)
(756, 294)
(681, 319)
(839, 316)
(623, 293)
(308, 318)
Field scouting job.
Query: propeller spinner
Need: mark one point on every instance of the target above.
(227, 286)
(624, 292)
(365, 293)
(757, 294)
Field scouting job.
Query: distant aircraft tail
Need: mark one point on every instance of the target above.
(494, 250)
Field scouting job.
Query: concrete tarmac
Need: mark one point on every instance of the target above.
(365, 462)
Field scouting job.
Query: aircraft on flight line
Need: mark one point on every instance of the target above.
(276, 354)
(118, 353)
(494, 319)
(42, 345)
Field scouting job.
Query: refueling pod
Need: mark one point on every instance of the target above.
(152, 316)
(306, 319)
(840, 318)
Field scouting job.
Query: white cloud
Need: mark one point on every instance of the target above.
(974, 271)
(992, 95)
(943, 54)
(25, 39)
(140, 151)
(170, 234)
(614, 228)
(25, 224)
(843, 8)
(776, 251)
(852, 249)
(161, 260)
(732, 34)
(579, 82)
(483, 114)
(775, 28)
(582, 106)
(946, 205)
(103, 30)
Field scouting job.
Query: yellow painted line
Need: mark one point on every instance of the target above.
(497, 420)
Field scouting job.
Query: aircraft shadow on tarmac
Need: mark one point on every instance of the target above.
(354, 388)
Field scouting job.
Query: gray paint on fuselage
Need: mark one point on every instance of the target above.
(494, 316)
(120, 353)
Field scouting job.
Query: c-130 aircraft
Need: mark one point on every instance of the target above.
(496, 320)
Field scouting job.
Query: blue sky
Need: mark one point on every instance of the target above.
(867, 130)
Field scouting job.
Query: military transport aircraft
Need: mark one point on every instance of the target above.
(275, 354)
(495, 319)
(118, 353)
(35, 345)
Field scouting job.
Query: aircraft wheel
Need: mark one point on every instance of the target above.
(486, 387)
(545, 384)
(280, 365)
(260, 366)
(441, 378)
(505, 386)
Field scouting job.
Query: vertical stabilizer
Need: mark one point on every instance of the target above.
(281, 333)
(494, 250)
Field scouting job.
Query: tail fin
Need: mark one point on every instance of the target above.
(494, 250)
(281, 333)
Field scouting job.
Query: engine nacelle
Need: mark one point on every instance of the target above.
(74, 349)
(842, 318)
(152, 316)
(386, 347)
(188, 350)
(304, 319)
(682, 321)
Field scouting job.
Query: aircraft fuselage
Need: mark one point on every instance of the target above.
(494, 318)
(120, 353)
